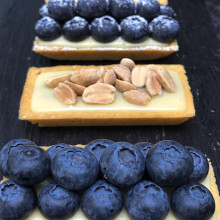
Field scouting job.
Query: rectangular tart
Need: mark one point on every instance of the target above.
(39, 105)
(209, 182)
(89, 49)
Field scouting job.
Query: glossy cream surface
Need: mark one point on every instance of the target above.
(43, 99)
(36, 215)
(92, 43)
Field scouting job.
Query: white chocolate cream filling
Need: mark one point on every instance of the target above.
(36, 215)
(92, 43)
(44, 100)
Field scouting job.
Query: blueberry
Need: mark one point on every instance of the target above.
(122, 164)
(105, 29)
(92, 9)
(28, 165)
(164, 28)
(134, 29)
(76, 29)
(43, 11)
(102, 201)
(75, 168)
(6, 150)
(56, 202)
(192, 202)
(167, 10)
(62, 10)
(55, 149)
(201, 165)
(148, 9)
(97, 147)
(144, 147)
(146, 200)
(169, 163)
(47, 29)
(120, 9)
(16, 202)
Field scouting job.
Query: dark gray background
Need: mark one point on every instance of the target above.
(199, 53)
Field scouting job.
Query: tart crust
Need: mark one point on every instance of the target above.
(71, 53)
(52, 119)
(164, 2)
(212, 184)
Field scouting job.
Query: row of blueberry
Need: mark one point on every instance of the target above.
(15, 149)
(63, 10)
(105, 29)
(103, 201)
(167, 163)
